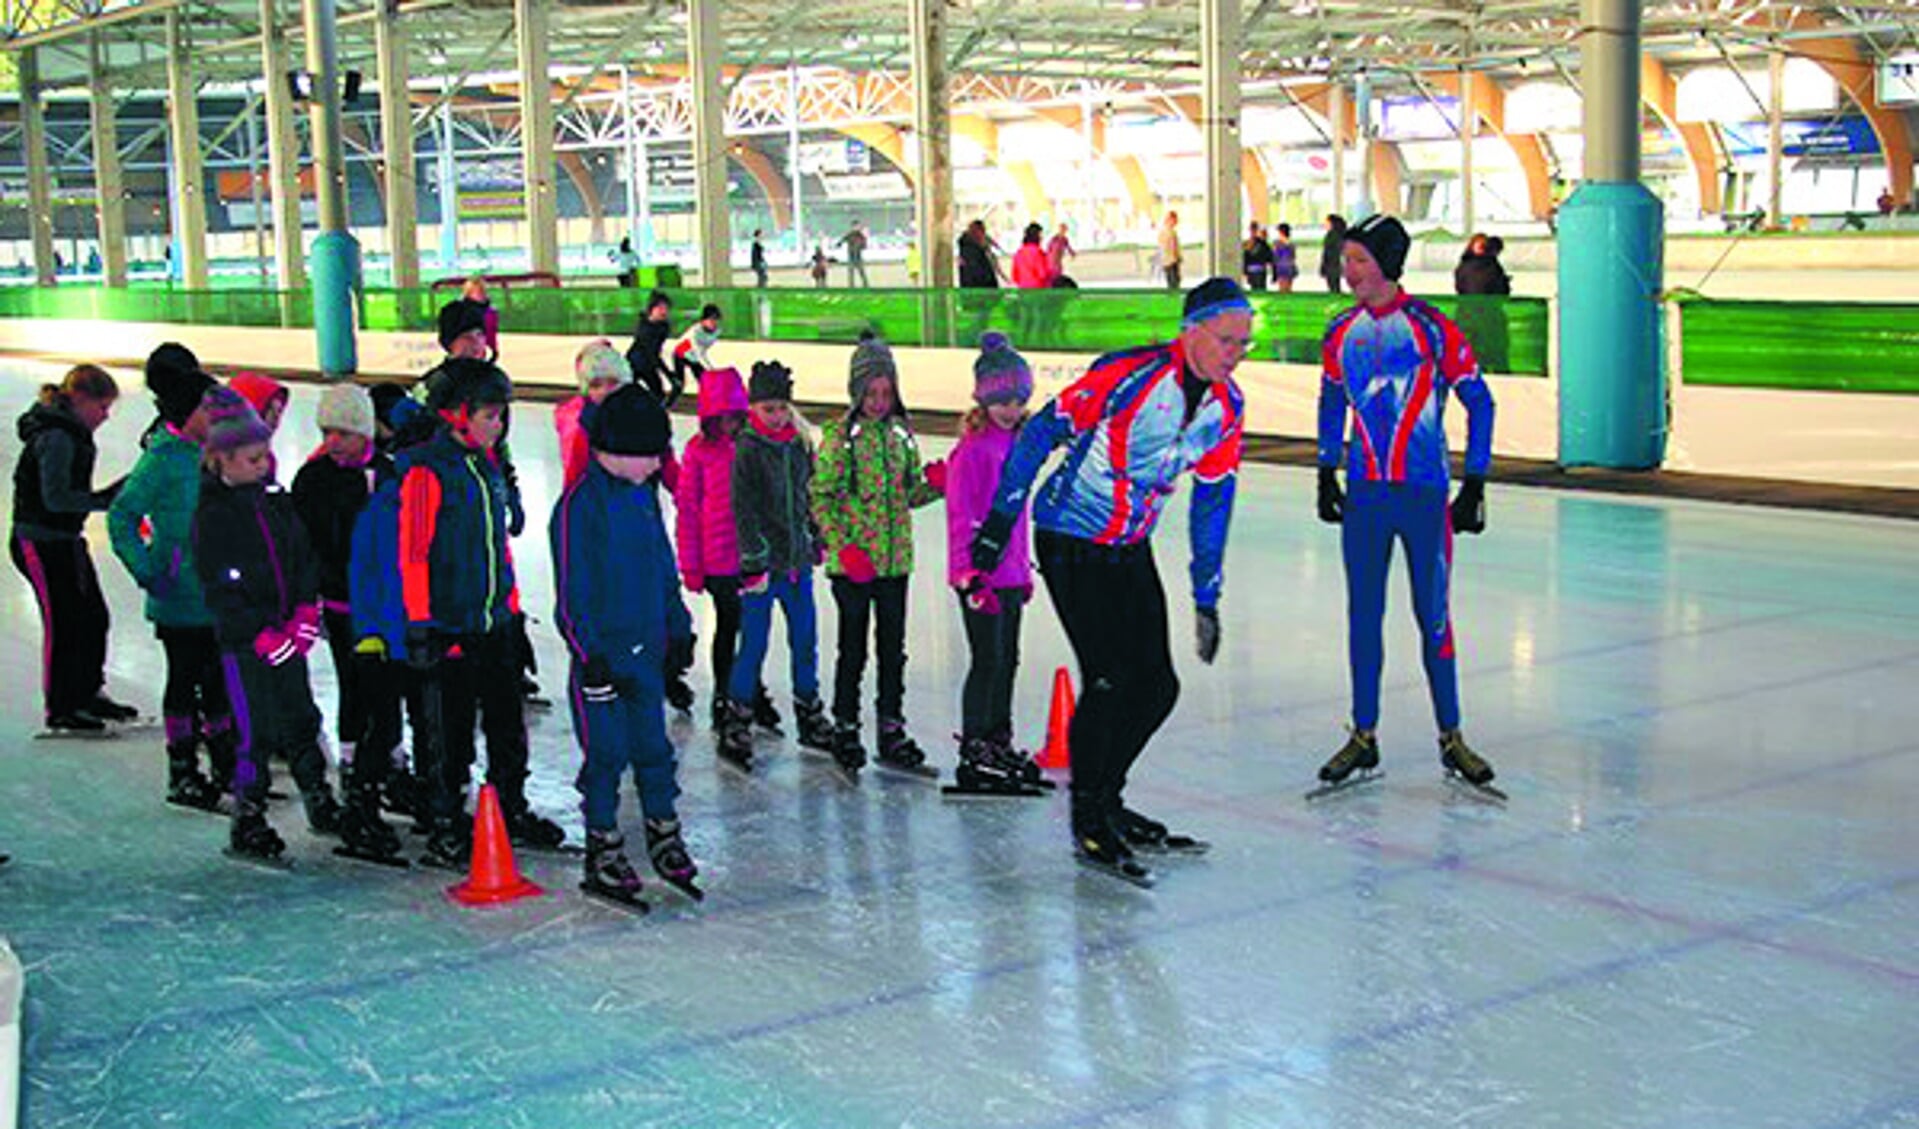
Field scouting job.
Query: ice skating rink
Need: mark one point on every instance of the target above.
(1701, 908)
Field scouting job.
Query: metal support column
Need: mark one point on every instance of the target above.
(107, 177)
(1612, 397)
(1468, 129)
(1336, 109)
(933, 126)
(189, 176)
(1363, 127)
(33, 138)
(794, 172)
(537, 161)
(703, 54)
(1776, 137)
(634, 171)
(1221, 33)
(283, 154)
(449, 195)
(396, 144)
(336, 255)
(257, 199)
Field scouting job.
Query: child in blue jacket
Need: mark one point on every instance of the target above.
(620, 612)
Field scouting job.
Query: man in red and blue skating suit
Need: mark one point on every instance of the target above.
(1389, 364)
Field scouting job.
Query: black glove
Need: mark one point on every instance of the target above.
(1206, 623)
(1332, 500)
(597, 684)
(989, 541)
(425, 647)
(679, 654)
(1469, 506)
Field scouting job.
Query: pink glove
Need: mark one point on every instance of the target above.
(273, 646)
(754, 584)
(304, 627)
(936, 475)
(979, 595)
(857, 566)
(695, 582)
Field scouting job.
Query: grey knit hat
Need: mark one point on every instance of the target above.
(872, 358)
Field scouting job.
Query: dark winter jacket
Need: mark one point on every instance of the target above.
(772, 477)
(455, 574)
(53, 481)
(613, 570)
(254, 560)
(151, 527)
(1331, 249)
(1481, 274)
(646, 355)
(976, 266)
(329, 498)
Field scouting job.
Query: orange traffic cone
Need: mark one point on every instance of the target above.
(1055, 754)
(494, 878)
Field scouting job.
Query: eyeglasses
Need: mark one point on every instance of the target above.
(1234, 344)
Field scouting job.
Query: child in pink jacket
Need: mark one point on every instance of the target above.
(990, 603)
(708, 539)
(601, 370)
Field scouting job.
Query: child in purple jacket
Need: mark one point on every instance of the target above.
(990, 602)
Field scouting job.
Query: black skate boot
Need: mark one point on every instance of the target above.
(985, 769)
(531, 830)
(898, 752)
(1356, 762)
(75, 724)
(253, 840)
(815, 731)
(1012, 755)
(1152, 836)
(323, 811)
(185, 786)
(1097, 846)
(765, 714)
(735, 739)
(670, 859)
(106, 709)
(1467, 767)
(403, 793)
(849, 756)
(365, 836)
(449, 846)
(678, 694)
(607, 876)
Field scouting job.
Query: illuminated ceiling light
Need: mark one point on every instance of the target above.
(851, 42)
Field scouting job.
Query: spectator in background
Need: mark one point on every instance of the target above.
(628, 260)
(1169, 256)
(978, 269)
(1285, 259)
(1256, 258)
(1479, 270)
(759, 259)
(1330, 249)
(1032, 267)
(818, 271)
(855, 243)
(1058, 250)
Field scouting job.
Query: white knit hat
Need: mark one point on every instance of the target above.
(600, 360)
(346, 407)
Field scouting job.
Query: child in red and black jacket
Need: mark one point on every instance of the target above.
(263, 588)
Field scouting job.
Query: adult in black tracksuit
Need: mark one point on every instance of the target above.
(647, 353)
(262, 584)
(52, 495)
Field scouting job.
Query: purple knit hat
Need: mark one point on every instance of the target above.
(231, 421)
(1000, 374)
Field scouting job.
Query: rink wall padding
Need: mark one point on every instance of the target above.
(1848, 439)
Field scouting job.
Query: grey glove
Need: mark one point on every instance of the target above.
(1206, 625)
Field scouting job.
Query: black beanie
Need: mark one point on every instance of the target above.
(629, 422)
(771, 380)
(176, 381)
(1385, 239)
(458, 317)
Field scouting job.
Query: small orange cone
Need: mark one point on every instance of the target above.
(494, 878)
(1055, 754)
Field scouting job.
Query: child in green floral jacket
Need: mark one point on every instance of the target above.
(867, 484)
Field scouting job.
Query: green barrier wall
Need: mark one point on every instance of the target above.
(1509, 334)
(1809, 346)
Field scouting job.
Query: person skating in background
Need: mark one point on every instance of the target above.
(150, 525)
(619, 610)
(1389, 363)
(474, 291)
(646, 355)
(855, 243)
(817, 267)
(979, 268)
(1170, 256)
(1058, 249)
(329, 493)
(461, 609)
(708, 536)
(1330, 264)
(1256, 258)
(867, 485)
(691, 353)
(52, 495)
(1032, 268)
(758, 259)
(1479, 270)
(629, 263)
(1285, 258)
(779, 546)
(1134, 423)
(600, 371)
(990, 602)
(262, 585)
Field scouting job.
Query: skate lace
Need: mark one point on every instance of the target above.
(670, 857)
(1463, 758)
(1351, 753)
(613, 868)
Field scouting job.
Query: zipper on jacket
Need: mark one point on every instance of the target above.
(492, 572)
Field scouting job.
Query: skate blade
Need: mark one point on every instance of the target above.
(432, 863)
(686, 886)
(77, 735)
(1008, 792)
(198, 809)
(630, 903)
(1357, 779)
(1174, 846)
(831, 763)
(562, 850)
(734, 769)
(1126, 871)
(396, 861)
(1485, 793)
(277, 863)
(136, 727)
(910, 772)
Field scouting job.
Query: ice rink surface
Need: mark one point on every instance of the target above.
(1701, 908)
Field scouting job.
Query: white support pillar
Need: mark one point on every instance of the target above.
(329, 146)
(536, 135)
(1363, 127)
(933, 127)
(261, 254)
(396, 144)
(1336, 109)
(1468, 128)
(634, 166)
(107, 178)
(449, 195)
(1221, 33)
(794, 172)
(1776, 138)
(704, 49)
(33, 138)
(189, 176)
(283, 154)
(1609, 78)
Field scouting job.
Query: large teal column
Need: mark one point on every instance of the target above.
(336, 254)
(1612, 387)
